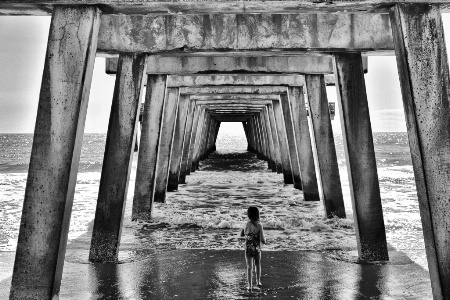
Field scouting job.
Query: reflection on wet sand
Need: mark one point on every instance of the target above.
(220, 274)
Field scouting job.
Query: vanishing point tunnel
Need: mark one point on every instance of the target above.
(207, 62)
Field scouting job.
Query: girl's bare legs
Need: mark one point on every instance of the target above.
(258, 268)
(249, 262)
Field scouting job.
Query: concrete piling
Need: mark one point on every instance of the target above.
(282, 138)
(360, 156)
(148, 152)
(116, 167)
(177, 148)
(166, 143)
(292, 147)
(55, 153)
(322, 133)
(303, 142)
(424, 77)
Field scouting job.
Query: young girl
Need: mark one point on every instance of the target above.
(254, 235)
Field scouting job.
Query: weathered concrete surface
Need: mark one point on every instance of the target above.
(276, 143)
(202, 80)
(282, 139)
(303, 142)
(117, 159)
(187, 143)
(187, 65)
(178, 139)
(424, 77)
(148, 153)
(55, 153)
(246, 32)
(212, 274)
(200, 110)
(234, 98)
(170, 112)
(269, 133)
(360, 156)
(230, 89)
(292, 147)
(322, 132)
(136, 7)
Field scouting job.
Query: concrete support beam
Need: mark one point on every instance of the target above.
(322, 134)
(166, 143)
(241, 79)
(292, 147)
(424, 76)
(272, 158)
(197, 7)
(187, 142)
(177, 148)
(282, 139)
(234, 98)
(148, 154)
(360, 156)
(55, 153)
(276, 143)
(194, 137)
(303, 143)
(230, 89)
(291, 33)
(117, 160)
(217, 65)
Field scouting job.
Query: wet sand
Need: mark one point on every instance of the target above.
(220, 274)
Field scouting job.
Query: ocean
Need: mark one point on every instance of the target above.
(209, 210)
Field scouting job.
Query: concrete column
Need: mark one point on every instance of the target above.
(360, 155)
(322, 133)
(165, 143)
(187, 143)
(272, 163)
(254, 131)
(424, 77)
(303, 142)
(206, 135)
(282, 138)
(244, 125)
(200, 139)
(262, 140)
(276, 143)
(148, 152)
(292, 147)
(117, 160)
(180, 125)
(194, 136)
(197, 137)
(55, 153)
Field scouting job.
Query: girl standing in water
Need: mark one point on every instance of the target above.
(254, 235)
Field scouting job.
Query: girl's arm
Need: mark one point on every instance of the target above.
(243, 231)
(261, 234)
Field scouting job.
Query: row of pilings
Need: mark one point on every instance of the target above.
(180, 123)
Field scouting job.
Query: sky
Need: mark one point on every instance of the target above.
(23, 43)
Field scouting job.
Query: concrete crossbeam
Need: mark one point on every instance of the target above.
(189, 65)
(135, 7)
(243, 79)
(291, 33)
(214, 90)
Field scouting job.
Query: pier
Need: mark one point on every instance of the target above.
(184, 68)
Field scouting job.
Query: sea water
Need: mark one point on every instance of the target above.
(395, 173)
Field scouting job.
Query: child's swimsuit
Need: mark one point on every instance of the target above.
(252, 240)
